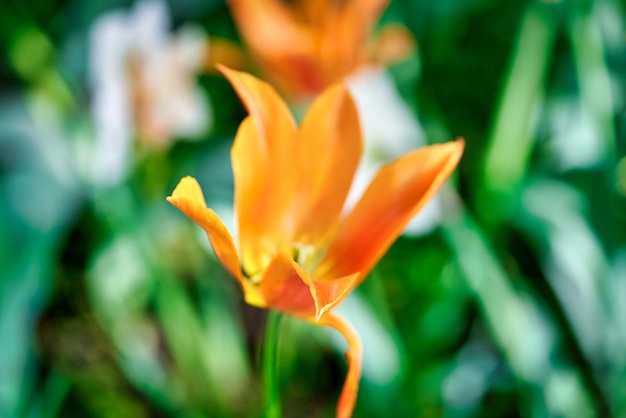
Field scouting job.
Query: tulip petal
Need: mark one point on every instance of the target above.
(252, 198)
(343, 45)
(359, 17)
(269, 112)
(283, 46)
(330, 147)
(329, 293)
(188, 197)
(269, 26)
(395, 195)
(284, 287)
(354, 356)
(224, 52)
(264, 159)
(394, 43)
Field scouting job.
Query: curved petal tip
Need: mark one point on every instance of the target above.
(187, 188)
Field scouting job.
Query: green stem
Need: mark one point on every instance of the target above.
(271, 398)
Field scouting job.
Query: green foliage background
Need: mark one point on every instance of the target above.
(112, 304)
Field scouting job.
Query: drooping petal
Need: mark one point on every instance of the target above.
(394, 196)
(284, 287)
(264, 159)
(354, 356)
(329, 293)
(188, 197)
(329, 141)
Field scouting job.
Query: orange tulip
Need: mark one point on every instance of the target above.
(297, 254)
(304, 46)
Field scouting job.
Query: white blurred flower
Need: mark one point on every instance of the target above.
(144, 84)
(389, 130)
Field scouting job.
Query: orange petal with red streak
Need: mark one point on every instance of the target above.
(284, 286)
(395, 195)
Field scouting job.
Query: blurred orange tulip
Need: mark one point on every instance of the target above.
(297, 254)
(302, 47)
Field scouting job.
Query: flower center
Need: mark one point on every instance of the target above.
(303, 254)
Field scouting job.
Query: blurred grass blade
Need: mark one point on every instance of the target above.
(511, 139)
(31, 53)
(524, 333)
(39, 199)
(572, 260)
(596, 94)
(48, 404)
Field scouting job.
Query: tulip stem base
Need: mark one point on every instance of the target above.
(271, 397)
